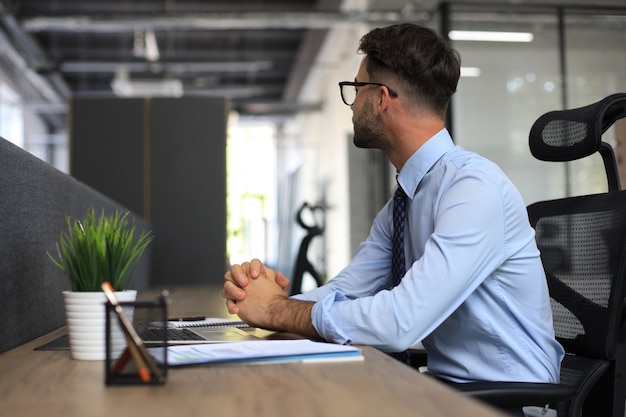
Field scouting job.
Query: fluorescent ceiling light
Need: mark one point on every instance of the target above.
(471, 35)
(145, 45)
(152, 49)
(470, 72)
(122, 86)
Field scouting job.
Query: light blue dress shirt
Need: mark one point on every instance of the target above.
(474, 292)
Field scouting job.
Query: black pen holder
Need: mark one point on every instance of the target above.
(149, 320)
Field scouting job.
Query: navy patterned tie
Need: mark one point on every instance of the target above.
(397, 248)
(398, 267)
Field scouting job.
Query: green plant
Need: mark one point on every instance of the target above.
(99, 249)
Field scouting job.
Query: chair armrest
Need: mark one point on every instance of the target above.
(517, 393)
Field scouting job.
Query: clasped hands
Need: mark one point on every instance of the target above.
(252, 290)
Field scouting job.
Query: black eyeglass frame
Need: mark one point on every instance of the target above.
(355, 84)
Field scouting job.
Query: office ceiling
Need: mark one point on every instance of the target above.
(257, 52)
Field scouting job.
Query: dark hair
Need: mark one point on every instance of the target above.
(417, 57)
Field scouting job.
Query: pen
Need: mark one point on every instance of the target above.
(199, 318)
(122, 360)
(142, 367)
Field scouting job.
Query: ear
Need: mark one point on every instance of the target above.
(384, 98)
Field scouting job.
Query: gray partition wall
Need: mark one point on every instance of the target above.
(36, 197)
(164, 158)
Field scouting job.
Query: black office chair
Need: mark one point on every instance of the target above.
(303, 265)
(582, 241)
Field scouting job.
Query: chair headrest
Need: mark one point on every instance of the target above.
(567, 135)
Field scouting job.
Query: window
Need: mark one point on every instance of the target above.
(510, 84)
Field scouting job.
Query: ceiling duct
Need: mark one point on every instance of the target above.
(218, 21)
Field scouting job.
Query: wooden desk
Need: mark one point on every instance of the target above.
(50, 383)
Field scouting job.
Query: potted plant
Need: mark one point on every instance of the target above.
(95, 249)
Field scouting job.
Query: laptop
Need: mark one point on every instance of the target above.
(182, 336)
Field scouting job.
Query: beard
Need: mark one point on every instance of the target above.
(368, 132)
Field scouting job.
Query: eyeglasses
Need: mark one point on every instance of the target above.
(349, 90)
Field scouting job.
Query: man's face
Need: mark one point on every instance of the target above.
(368, 130)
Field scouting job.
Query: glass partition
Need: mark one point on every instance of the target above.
(506, 86)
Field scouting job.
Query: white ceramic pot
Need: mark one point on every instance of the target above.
(86, 321)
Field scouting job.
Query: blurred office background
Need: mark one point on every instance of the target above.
(278, 62)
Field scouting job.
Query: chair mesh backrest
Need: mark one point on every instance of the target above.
(582, 242)
(581, 239)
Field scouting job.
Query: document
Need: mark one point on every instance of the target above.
(261, 351)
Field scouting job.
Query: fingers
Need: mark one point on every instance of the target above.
(234, 281)
(256, 268)
(238, 274)
(282, 281)
(233, 292)
(232, 307)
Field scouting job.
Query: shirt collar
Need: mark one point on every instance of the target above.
(423, 160)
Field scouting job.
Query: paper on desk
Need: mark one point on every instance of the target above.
(260, 351)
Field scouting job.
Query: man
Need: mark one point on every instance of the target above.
(474, 290)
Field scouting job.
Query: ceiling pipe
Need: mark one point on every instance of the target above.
(218, 21)
(170, 67)
(26, 57)
(43, 94)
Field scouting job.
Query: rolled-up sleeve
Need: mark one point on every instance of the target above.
(324, 322)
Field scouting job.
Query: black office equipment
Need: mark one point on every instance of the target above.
(582, 240)
(303, 264)
(134, 365)
(196, 335)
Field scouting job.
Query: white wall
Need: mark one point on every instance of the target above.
(324, 137)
